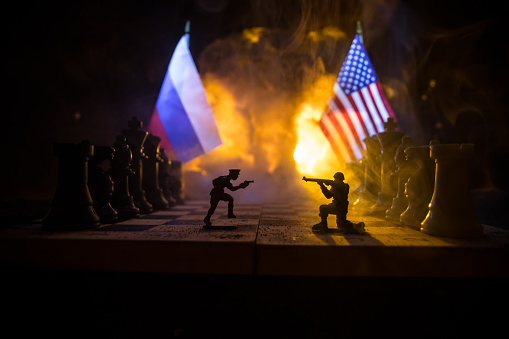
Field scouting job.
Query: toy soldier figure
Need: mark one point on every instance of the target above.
(338, 191)
(217, 194)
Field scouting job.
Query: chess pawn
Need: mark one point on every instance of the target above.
(72, 207)
(136, 139)
(372, 168)
(175, 181)
(419, 187)
(121, 200)
(403, 172)
(451, 211)
(164, 177)
(389, 140)
(101, 185)
(151, 173)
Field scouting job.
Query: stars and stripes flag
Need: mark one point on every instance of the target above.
(182, 116)
(357, 109)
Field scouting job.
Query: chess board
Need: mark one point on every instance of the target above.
(269, 239)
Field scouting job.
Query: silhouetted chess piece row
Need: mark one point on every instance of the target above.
(425, 187)
(103, 184)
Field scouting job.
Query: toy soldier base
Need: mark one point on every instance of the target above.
(346, 228)
(219, 227)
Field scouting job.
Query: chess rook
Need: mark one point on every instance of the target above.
(101, 185)
(72, 207)
(121, 200)
(451, 211)
(135, 138)
(151, 173)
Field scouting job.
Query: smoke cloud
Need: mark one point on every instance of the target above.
(258, 82)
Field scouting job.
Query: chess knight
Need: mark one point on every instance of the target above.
(338, 191)
(217, 194)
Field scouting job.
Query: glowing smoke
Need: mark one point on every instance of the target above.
(256, 91)
(268, 85)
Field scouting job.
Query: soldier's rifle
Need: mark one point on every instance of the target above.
(327, 182)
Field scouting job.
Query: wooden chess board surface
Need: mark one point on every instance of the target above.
(270, 239)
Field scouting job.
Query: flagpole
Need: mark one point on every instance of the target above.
(188, 27)
(359, 31)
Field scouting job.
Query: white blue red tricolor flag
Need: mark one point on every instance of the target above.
(357, 109)
(182, 116)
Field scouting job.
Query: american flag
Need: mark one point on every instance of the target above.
(357, 109)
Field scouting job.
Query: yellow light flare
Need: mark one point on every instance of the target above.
(311, 143)
(300, 154)
(260, 140)
(313, 154)
(267, 119)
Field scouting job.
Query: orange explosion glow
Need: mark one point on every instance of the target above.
(267, 103)
(313, 154)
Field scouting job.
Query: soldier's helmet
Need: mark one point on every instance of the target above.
(235, 172)
(339, 176)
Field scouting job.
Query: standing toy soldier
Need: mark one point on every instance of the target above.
(338, 191)
(217, 194)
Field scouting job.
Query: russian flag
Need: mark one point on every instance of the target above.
(182, 116)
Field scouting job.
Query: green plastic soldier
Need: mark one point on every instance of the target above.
(338, 191)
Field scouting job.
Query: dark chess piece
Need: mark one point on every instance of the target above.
(451, 211)
(372, 169)
(72, 207)
(121, 200)
(135, 138)
(338, 191)
(419, 187)
(218, 194)
(101, 185)
(389, 140)
(151, 173)
(175, 181)
(403, 171)
(164, 178)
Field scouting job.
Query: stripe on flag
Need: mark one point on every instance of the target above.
(182, 117)
(357, 108)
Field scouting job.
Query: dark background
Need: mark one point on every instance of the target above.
(80, 70)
